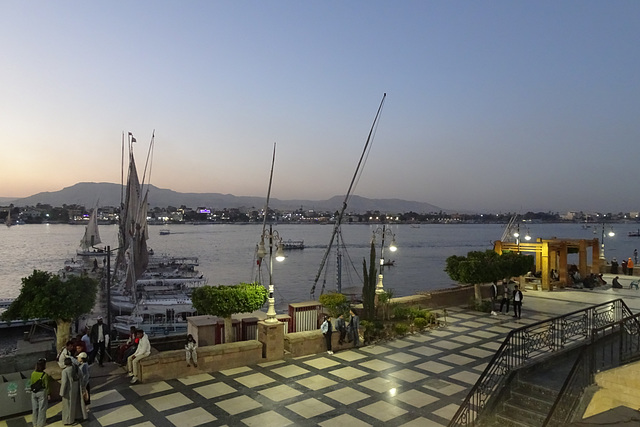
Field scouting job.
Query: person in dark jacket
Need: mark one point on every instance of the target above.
(341, 327)
(99, 336)
(354, 328)
(517, 302)
(615, 284)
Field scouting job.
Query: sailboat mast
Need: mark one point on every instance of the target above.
(346, 197)
(266, 206)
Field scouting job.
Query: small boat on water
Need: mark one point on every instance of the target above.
(634, 233)
(389, 263)
(91, 238)
(293, 244)
(164, 231)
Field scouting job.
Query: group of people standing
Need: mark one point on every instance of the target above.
(506, 297)
(352, 330)
(627, 265)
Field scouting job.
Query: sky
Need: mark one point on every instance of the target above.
(492, 106)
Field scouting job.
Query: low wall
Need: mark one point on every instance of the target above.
(173, 363)
(311, 342)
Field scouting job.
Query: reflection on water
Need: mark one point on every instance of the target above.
(227, 252)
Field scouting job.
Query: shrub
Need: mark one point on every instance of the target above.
(401, 328)
(420, 323)
(335, 303)
(401, 313)
(483, 305)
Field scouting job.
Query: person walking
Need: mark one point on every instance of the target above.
(505, 297)
(624, 266)
(341, 327)
(39, 393)
(99, 335)
(191, 348)
(354, 327)
(517, 302)
(630, 267)
(143, 350)
(327, 330)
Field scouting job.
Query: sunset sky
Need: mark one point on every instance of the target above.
(491, 105)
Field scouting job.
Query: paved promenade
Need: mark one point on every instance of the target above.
(419, 380)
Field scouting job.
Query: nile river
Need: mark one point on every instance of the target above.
(226, 252)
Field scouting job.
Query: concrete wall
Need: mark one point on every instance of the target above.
(311, 342)
(172, 364)
(618, 387)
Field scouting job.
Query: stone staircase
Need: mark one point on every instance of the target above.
(528, 405)
(533, 392)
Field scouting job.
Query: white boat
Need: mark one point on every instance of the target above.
(91, 238)
(293, 244)
(153, 292)
(7, 220)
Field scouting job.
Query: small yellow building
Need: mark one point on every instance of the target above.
(552, 254)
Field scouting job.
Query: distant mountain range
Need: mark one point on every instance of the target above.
(108, 194)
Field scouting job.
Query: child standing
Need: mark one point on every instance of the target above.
(191, 350)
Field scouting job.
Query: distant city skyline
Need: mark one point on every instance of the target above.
(491, 106)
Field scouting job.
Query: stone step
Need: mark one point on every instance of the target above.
(536, 390)
(533, 402)
(525, 416)
(503, 420)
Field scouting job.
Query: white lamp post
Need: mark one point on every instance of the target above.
(392, 247)
(271, 235)
(610, 234)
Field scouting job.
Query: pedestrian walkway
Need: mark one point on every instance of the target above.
(419, 380)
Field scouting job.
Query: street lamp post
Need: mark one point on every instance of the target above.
(392, 247)
(610, 234)
(273, 238)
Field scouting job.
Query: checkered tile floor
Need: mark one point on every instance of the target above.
(419, 380)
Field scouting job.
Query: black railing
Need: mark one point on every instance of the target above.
(529, 343)
(611, 346)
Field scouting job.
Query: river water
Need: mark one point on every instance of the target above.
(226, 252)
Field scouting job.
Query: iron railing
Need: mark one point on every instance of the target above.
(611, 346)
(524, 345)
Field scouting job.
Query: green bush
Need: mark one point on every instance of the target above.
(402, 313)
(401, 329)
(420, 323)
(483, 306)
(335, 303)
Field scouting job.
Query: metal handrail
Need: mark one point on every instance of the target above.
(583, 371)
(530, 342)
